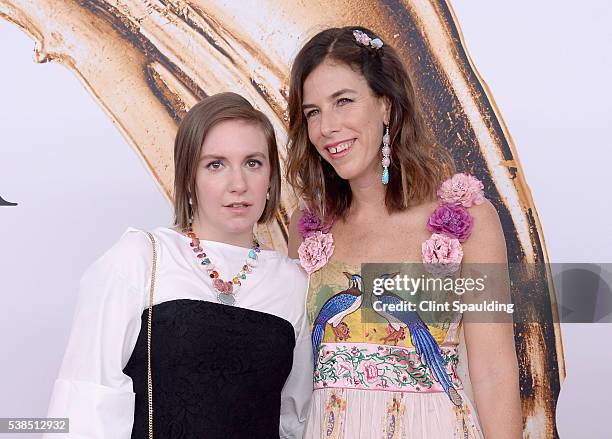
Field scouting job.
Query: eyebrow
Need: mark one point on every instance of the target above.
(332, 96)
(220, 157)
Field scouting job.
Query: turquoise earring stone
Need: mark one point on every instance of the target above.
(385, 176)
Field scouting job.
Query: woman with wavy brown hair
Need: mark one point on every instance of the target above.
(375, 188)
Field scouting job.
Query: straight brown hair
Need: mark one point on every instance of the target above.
(418, 165)
(192, 131)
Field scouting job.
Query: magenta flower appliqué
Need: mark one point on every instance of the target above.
(452, 220)
(310, 222)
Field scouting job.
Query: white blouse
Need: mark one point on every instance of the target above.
(92, 390)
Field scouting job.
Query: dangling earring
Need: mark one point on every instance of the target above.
(190, 219)
(268, 195)
(386, 152)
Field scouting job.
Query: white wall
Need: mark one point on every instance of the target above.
(78, 186)
(547, 64)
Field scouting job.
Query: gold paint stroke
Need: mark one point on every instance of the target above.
(163, 56)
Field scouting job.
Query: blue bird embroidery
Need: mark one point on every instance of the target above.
(426, 346)
(335, 309)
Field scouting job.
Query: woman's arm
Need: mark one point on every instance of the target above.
(297, 391)
(490, 345)
(91, 389)
(296, 394)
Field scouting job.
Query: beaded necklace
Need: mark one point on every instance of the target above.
(226, 290)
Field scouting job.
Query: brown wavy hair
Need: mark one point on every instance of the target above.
(418, 165)
(192, 131)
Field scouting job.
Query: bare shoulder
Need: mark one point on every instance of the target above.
(486, 220)
(487, 242)
(486, 215)
(295, 238)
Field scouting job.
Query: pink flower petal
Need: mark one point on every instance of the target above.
(462, 189)
(441, 254)
(315, 251)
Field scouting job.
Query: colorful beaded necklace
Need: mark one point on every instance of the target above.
(226, 290)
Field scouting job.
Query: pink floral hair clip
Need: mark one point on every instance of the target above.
(363, 39)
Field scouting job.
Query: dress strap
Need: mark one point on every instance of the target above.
(451, 223)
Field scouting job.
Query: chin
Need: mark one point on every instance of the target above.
(347, 173)
(238, 225)
(343, 172)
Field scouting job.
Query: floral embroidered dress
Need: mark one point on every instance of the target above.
(391, 375)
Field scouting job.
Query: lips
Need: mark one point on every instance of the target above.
(238, 205)
(339, 149)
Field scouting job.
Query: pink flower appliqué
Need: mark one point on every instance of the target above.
(441, 254)
(462, 189)
(315, 251)
(453, 220)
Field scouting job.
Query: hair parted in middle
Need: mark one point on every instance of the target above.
(192, 131)
(418, 165)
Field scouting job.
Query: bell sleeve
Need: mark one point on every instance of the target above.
(91, 389)
(296, 394)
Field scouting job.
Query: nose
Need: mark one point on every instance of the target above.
(238, 183)
(328, 123)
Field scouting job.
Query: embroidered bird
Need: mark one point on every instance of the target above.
(426, 346)
(335, 309)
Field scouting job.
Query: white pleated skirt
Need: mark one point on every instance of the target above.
(341, 413)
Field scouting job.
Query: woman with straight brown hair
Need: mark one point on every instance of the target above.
(196, 331)
(375, 188)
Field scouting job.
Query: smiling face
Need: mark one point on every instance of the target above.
(345, 120)
(232, 180)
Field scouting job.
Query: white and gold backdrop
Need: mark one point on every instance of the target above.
(87, 132)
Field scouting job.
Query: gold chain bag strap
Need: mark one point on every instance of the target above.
(149, 323)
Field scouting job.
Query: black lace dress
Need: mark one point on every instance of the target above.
(218, 371)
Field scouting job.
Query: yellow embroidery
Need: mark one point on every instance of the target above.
(362, 331)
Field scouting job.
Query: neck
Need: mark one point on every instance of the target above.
(240, 239)
(368, 196)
